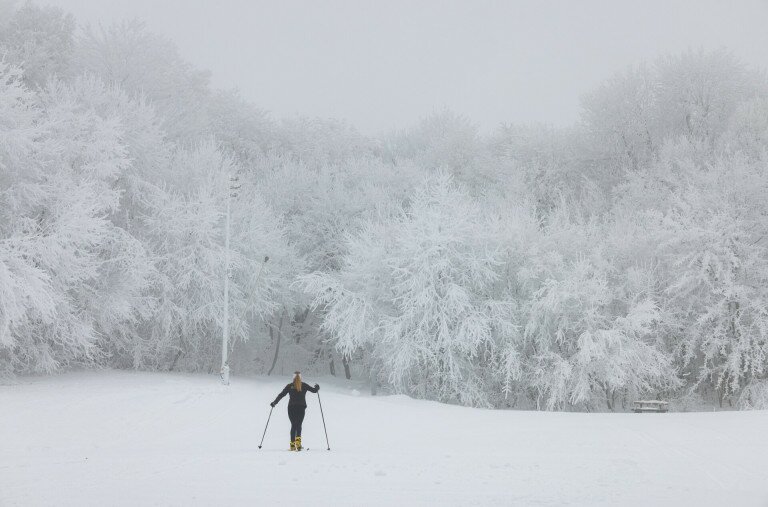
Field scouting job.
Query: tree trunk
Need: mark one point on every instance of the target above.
(610, 397)
(345, 362)
(374, 382)
(277, 347)
(297, 324)
(333, 367)
(175, 359)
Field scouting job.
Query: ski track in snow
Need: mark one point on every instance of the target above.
(130, 438)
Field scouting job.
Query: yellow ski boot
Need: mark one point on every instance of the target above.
(298, 444)
(293, 446)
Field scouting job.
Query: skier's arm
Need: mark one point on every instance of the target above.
(310, 388)
(280, 396)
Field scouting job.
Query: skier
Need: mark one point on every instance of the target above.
(297, 404)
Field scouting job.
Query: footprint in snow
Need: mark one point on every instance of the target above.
(380, 473)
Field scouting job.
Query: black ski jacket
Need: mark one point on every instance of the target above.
(298, 398)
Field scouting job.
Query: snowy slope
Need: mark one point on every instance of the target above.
(117, 438)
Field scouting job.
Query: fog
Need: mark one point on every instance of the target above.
(384, 65)
(617, 254)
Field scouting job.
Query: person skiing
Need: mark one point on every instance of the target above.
(297, 404)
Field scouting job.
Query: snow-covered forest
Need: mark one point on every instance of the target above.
(539, 267)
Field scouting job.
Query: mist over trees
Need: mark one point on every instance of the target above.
(568, 268)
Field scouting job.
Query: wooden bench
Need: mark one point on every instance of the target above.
(650, 406)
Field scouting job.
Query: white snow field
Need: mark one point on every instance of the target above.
(125, 438)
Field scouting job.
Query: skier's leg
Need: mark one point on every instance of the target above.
(299, 419)
(292, 417)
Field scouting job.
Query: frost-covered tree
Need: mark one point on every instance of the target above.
(589, 343)
(25, 291)
(701, 224)
(95, 144)
(622, 114)
(247, 133)
(692, 95)
(551, 166)
(747, 132)
(57, 192)
(564, 268)
(591, 315)
(718, 268)
(145, 64)
(422, 293)
(699, 91)
(317, 142)
(443, 141)
(186, 236)
(320, 205)
(38, 39)
(720, 299)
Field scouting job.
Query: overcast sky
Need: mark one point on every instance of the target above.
(385, 64)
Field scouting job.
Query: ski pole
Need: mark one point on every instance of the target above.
(265, 427)
(321, 415)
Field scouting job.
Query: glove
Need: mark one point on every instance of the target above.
(272, 404)
(317, 386)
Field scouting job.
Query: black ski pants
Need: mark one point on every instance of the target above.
(296, 415)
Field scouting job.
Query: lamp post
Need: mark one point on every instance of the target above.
(232, 192)
(233, 188)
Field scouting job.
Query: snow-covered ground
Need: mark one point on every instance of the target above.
(123, 438)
